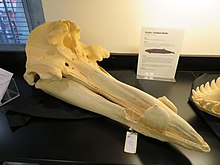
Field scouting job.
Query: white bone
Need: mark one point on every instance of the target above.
(59, 64)
(202, 88)
(218, 82)
(207, 87)
(207, 98)
(168, 103)
(213, 85)
(198, 91)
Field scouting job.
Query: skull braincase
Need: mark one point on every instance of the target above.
(59, 51)
(61, 65)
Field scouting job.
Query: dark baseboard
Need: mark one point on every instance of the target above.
(129, 61)
(199, 64)
(16, 61)
(13, 61)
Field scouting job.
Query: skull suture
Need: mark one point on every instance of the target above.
(61, 65)
(207, 97)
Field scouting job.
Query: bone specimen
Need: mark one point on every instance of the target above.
(207, 97)
(62, 66)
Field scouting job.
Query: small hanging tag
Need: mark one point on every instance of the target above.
(130, 142)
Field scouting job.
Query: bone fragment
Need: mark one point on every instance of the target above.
(62, 66)
(207, 97)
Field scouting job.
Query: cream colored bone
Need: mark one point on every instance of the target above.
(61, 65)
(207, 97)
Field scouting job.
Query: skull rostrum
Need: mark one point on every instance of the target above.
(62, 66)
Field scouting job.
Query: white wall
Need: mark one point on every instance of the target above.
(116, 24)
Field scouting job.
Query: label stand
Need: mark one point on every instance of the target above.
(11, 92)
(159, 53)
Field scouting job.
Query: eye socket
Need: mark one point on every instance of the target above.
(66, 64)
(36, 77)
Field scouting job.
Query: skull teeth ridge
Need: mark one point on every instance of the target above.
(207, 97)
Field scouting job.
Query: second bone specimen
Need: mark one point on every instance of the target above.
(207, 97)
(62, 66)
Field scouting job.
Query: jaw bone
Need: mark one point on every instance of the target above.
(62, 66)
(207, 97)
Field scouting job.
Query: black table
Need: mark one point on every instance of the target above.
(101, 140)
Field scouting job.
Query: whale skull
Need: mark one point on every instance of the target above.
(62, 66)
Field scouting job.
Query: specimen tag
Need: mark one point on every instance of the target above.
(130, 142)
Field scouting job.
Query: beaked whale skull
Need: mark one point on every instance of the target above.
(62, 66)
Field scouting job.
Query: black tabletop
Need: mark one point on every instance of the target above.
(101, 140)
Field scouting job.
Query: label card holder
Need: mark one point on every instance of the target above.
(8, 87)
(159, 53)
(5, 78)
